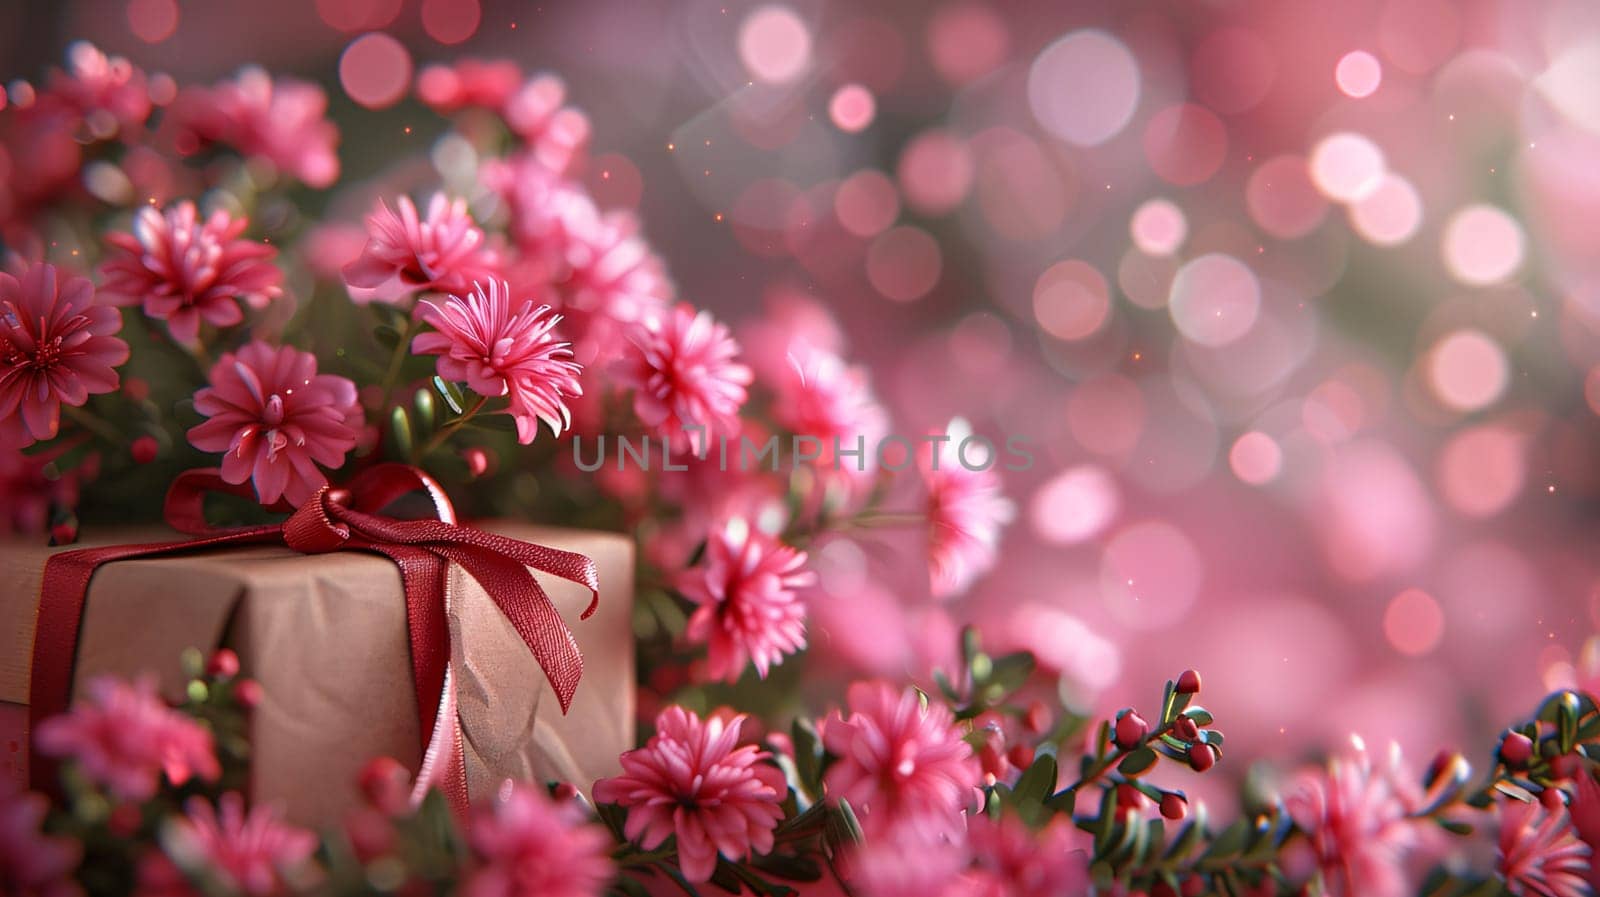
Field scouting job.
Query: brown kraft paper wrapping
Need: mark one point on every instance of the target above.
(325, 636)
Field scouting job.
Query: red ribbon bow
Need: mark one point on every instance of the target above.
(344, 519)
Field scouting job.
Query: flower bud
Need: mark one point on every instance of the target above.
(1189, 683)
(478, 461)
(64, 533)
(386, 785)
(248, 693)
(1202, 757)
(1516, 749)
(1130, 730)
(1020, 755)
(563, 792)
(1173, 806)
(224, 664)
(1193, 886)
(1552, 799)
(144, 449)
(1131, 798)
(1185, 728)
(1037, 719)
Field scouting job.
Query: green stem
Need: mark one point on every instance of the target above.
(444, 432)
(88, 420)
(1112, 759)
(397, 360)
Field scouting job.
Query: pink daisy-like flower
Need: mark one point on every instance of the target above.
(1540, 855)
(276, 419)
(33, 864)
(556, 133)
(498, 351)
(531, 845)
(184, 270)
(692, 779)
(748, 610)
(108, 91)
(548, 212)
(1011, 860)
(819, 395)
(125, 737)
(405, 252)
(1357, 823)
(965, 508)
(903, 764)
(56, 347)
(251, 851)
(282, 121)
(904, 863)
(682, 371)
(1585, 812)
(614, 282)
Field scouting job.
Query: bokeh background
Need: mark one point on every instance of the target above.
(1297, 302)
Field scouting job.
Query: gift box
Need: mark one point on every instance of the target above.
(326, 637)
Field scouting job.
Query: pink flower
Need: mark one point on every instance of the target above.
(1356, 822)
(29, 488)
(821, 396)
(904, 863)
(276, 419)
(748, 610)
(406, 253)
(1585, 812)
(531, 845)
(547, 210)
(56, 346)
(126, 737)
(902, 763)
(556, 133)
(281, 121)
(33, 864)
(250, 851)
(1540, 856)
(1010, 860)
(683, 375)
(184, 270)
(693, 780)
(500, 352)
(614, 281)
(106, 90)
(965, 508)
(470, 82)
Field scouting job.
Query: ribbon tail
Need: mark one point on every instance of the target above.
(444, 762)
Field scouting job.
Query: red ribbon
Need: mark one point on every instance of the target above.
(339, 519)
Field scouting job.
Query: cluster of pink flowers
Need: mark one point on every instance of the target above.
(1359, 824)
(530, 844)
(125, 738)
(406, 253)
(250, 850)
(749, 607)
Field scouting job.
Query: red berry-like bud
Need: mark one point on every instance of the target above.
(1162, 889)
(1552, 800)
(563, 792)
(136, 388)
(124, 820)
(1173, 806)
(1189, 683)
(224, 664)
(1202, 757)
(386, 785)
(144, 449)
(1020, 755)
(1131, 798)
(1185, 728)
(63, 534)
(477, 460)
(1516, 749)
(1131, 730)
(1566, 766)
(1037, 719)
(1193, 886)
(248, 693)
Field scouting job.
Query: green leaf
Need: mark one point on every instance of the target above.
(1011, 672)
(400, 431)
(1200, 715)
(1137, 763)
(422, 402)
(1037, 783)
(1230, 842)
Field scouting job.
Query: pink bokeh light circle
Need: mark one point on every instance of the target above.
(774, 44)
(1467, 370)
(1185, 144)
(1084, 87)
(852, 108)
(1075, 505)
(1482, 245)
(1256, 458)
(152, 21)
(904, 263)
(1150, 575)
(1158, 227)
(1106, 415)
(1389, 215)
(935, 172)
(1232, 70)
(375, 70)
(358, 15)
(1347, 166)
(1283, 200)
(1215, 299)
(1358, 74)
(866, 203)
(1413, 623)
(1071, 300)
(451, 21)
(1482, 470)
(966, 41)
